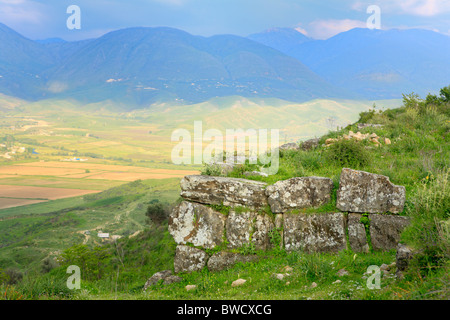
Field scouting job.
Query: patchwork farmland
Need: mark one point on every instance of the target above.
(28, 183)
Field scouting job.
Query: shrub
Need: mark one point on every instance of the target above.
(92, 262)
(12, 276)
(48, 264)
(348, 153)
(157, 212)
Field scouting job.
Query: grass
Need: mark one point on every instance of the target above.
(418, 158)
(30, 234)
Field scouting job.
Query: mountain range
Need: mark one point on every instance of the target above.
(378, 64)
(142, 66)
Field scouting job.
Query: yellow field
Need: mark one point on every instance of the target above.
(74, 169)
(28, 183)
(27, 192)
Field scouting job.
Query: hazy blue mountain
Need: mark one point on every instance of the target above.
(22, 61)
(146, 65)
(285, 40)
(380, 64)
(150, 64)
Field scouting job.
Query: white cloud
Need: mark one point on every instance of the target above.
(15, 12)
(12, 1)
(324, 29)
(425, 8)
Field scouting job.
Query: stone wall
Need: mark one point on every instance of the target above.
(221, 218)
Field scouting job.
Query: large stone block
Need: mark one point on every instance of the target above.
(197, 224)
(357, 233)
(310, 144)
(322, 232)
(365, 192)
(224, 260)
(403, 256)
(298, 193)
(248, 227)
(221, 190)
(189, 259)
(385, 230)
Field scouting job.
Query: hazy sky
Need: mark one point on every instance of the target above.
(318, 19)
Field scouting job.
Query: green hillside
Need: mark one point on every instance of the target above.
(418, 158)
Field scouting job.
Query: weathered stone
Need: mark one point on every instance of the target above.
(315, 232)
(299, 192)
(197, 224)
(157, 277)
(403, 256)
(189, 259)
(290, 146)
(357, 233)
(224, 260)
(221, 190)
(222, 168)
(239, 228)
(385, 230)
(279, 228)
(310, 144)
(190, 287)
(262, 227)
(172, 279)
(246, 227)
(278, 276)
(238, 282)
(362, 192)
(287, 269)
(342, 272)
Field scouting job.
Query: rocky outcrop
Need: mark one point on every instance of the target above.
(385, 230)
(315, 232)
(357, 237)
(224, 260)
(197, 224)
(227, 191)
(365, 192)
(299, 193)
(289, 146)
(310, 144)
(403, 257)
(246, 225)
(166, 277)
(189, 259)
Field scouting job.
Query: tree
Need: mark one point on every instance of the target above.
(157, 212)
(445, 94)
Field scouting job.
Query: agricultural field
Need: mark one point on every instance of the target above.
(34, 182)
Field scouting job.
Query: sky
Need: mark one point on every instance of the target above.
(317, 19)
